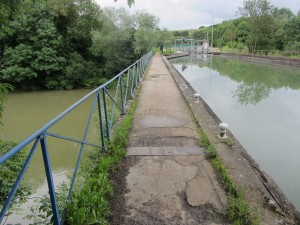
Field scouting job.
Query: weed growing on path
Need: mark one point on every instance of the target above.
(239, 212)
(90, 201)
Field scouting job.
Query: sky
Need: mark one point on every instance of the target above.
(191, 14)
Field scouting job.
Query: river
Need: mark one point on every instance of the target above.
(26, 112)
(260, 102)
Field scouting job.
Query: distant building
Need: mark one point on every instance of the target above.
(202, 44)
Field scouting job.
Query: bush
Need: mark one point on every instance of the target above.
(9, 172)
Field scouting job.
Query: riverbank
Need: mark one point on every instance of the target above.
(260, 189)
(262, 58)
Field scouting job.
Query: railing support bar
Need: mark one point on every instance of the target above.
(50, 182)
(122, 96)
(81, 149)
(105, 114)
(18, 181)
(100, 120)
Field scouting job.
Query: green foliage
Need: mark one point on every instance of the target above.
(261, 23)
(9, 172)
(41, 210)
(4, 88)
(90, 201)
(123, 38)
(71, 43)
(8, 9)
(181, 33)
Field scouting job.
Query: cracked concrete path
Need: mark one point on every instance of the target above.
(168, 181)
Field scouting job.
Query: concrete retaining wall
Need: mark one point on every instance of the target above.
(260, 189)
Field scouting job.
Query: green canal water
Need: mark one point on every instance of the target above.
(260, 102)
(28, 111)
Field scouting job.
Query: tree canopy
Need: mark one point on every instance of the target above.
(65, 44)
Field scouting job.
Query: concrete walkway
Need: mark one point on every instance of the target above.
(169, 181)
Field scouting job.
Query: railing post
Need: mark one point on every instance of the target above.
(50, 179)
(139, 67)
(122, 96)
(131, 83)
(105, 114)
(100, 120)
(127, 86)
(136, 75)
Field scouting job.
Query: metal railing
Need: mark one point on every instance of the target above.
(127, 81)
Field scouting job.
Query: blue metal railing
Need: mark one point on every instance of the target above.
(127, 81)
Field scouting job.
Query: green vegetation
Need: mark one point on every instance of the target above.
(262, 29)
(90, 201)
(9, 173)
(239, 212)
(4, 88)
(51, 44)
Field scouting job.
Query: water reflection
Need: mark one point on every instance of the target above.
(260, 102)
(251, 94)
(255, 81)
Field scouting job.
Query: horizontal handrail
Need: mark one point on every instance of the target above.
(127, 81)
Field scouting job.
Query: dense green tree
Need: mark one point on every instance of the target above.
(282, 16)
(184, 33)
(114, 41)
(50, 45)
(123, 38)
(37, 50)
(146, 35)
(4, 88)
(8, 10)
(292, 38)
(260, 22)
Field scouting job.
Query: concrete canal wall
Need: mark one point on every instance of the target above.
(264, 59)
(260, 189)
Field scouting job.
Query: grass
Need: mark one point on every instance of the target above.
(239, 212)
(90, 201)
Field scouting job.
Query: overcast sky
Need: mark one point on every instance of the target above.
(191, 14)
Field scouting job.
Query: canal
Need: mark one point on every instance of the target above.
(260, 102)
(26, 112)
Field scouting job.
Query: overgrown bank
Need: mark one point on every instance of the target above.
(238, 210)
(90, 202)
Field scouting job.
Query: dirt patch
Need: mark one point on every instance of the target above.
(118, 177)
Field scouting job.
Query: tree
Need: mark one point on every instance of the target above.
(114, 41)
(8, 10)
(282, 16)
(292, 35)
(260, 21)
(146, 35)
(129, 2)
(229, 34)
(49, 46)
(4, 88)
(37, 52)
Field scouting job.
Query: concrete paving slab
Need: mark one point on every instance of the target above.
(165, 150)
(170, 182)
